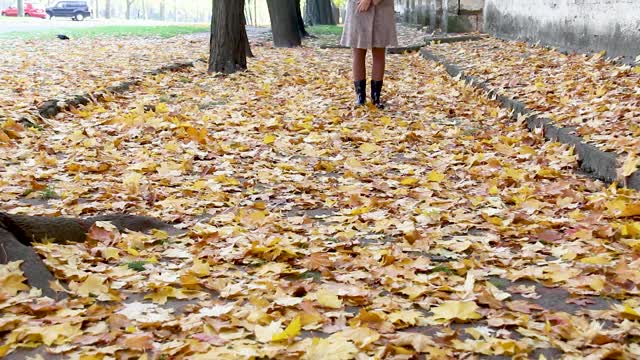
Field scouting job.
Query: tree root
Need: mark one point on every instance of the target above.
(18, 232)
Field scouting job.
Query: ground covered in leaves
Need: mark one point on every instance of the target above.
(599, 98)
(437, 228)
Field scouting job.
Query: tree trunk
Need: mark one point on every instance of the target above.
(284, 23)
(96, 9)
(319, 12)
(107, 10)
(229, 42)
(247, 46)
(21, 8)
(163, 10)
(144, 9)
(303, 32)
(128, 15)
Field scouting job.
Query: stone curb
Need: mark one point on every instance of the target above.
(51, 108)
(454, 39)
(600, 164)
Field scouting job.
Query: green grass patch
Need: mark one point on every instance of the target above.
(49, 193)
(137, 265)
(110, 31)
(443, 269)
(325, 30)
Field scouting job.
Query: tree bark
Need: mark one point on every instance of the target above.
(107, 10)
(319, 12)
(128, 15)
(229, 42)
(163, 10)
(144, 9)
(96, 9)
(301, 29)
(284, 23)
(247, 46)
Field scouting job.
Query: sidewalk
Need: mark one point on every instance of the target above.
(595, 99)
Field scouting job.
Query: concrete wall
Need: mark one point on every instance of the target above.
(577, 25)
(466, 18)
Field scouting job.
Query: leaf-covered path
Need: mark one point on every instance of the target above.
(318, 231)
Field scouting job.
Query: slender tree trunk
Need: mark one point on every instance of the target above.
(319, 12)
(163, 10)
(303, 32)
(445, 16)
(128, 15)
(284, 23)
(107, 10)
(21, 8)
(144, 10)
(229, 42)
(247, 46)
(96, 9)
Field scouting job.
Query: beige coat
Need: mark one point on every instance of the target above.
(375, 28)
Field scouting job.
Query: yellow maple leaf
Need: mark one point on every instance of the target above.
(328, 299)
(596, 260)
(629, 309)
(623, 208)
(332, 348)
(93, 284)
(369, 148)
(132, 181)
(361, 336)
(352, 163)
(408, 317)
(435, 176)
(59, 334)
(162, 108)
(200, 268)
(269, 139)
(290, 332)
(111, 253)
(409, 181)
(161, 294)
(630, 165)
(12, 279)
(597, 283)
(265, 334)
(456, 310)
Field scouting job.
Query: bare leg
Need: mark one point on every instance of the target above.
(359, 66)
(379, 60)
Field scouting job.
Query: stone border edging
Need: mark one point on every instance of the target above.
(601, 164)
(443, 39)
(51, 108)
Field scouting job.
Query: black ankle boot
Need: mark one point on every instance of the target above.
(376, 90)
(361, 92)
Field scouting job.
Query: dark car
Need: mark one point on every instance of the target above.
(76, 10)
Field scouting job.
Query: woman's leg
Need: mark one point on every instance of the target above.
(360, 75)
(379, 62)
(377, 75)
(359, 65)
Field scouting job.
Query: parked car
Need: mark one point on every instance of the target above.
(32, 10)
(76, 10)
